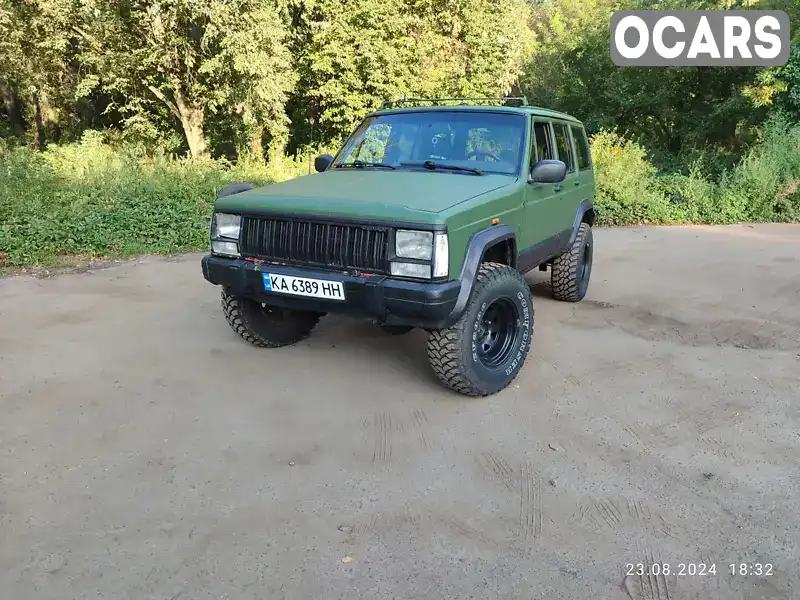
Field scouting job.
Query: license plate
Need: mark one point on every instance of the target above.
(303, 286)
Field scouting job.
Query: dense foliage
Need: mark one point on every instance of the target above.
(118, 116)
(87, 199)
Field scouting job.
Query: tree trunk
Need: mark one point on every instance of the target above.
(49, 117)
(193, 128)
(277, 149)
(277, 136)
(13, 109)
(256, 145)
(39, 135)
(192, 116)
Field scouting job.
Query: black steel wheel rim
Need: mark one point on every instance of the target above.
(586, 264)
(498, 332)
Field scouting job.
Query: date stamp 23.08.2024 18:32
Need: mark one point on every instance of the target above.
(690, 569)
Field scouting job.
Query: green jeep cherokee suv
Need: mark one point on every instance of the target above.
(427, 217)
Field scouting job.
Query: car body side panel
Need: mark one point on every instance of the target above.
(542, 206)
(586, 186)
(477, 214)
(570, 196)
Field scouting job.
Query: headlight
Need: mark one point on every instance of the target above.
(225, 234)
(226, 226)
(433, 248)
(225, 248)
(414, 244)
(411, 270)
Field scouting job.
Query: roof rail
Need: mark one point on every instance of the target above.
(523, 101)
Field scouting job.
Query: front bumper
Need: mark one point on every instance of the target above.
(392, 301)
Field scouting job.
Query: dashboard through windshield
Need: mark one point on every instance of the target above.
(488, 142)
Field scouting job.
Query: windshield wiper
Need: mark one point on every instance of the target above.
(360, 164)
(429, 164)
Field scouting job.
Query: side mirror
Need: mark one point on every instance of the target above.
(548, 171)
(322, 162)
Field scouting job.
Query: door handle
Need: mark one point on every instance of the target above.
(558, 187)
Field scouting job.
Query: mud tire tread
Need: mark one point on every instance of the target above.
(244, 321)
(564, 273)
(444, 346)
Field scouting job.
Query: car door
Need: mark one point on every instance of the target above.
(571, 192)
(542, 202)
(583, 157)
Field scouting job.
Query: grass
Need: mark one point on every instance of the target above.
(762, 187)
(90, 201)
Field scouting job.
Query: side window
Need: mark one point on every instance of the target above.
(564, 146)
(543, 144)
(582, 147)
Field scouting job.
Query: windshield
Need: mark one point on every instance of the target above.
(490, 142)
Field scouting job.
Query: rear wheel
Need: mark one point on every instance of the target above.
(485, 349)
(569, 276)
(264, 325)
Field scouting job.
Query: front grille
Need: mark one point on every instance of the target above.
(337, 245)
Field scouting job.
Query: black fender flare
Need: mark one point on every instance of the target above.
(584, 207)
(476, 247)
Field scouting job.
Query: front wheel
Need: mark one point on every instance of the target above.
(264, 325)
(485, 349)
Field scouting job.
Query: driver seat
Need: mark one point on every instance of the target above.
(436, 142)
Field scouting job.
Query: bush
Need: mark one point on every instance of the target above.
(769, 175)
(92, 200)
(763, 186)
(626, 184)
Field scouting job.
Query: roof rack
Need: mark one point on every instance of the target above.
(523, 101)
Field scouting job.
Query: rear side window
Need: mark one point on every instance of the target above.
(564, 146)
(543, 144)
(581, 147)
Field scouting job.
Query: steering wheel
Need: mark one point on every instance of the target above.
(477, 153)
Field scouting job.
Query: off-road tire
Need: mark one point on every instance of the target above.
(234, 188)
(267, 327)
(395, 329)
(452, 352)
(570, 273)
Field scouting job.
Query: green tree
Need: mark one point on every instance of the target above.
(37, 73)
(353, 54)
(673, 111)
(190, 57)
(468, 47)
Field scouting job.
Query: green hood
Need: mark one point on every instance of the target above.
(369, 194)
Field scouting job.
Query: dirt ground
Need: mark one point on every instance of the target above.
(146, 452)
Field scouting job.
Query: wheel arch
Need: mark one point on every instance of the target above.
(490, 243)
(503, 251)
(584, 214)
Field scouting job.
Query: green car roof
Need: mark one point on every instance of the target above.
(519, 110)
